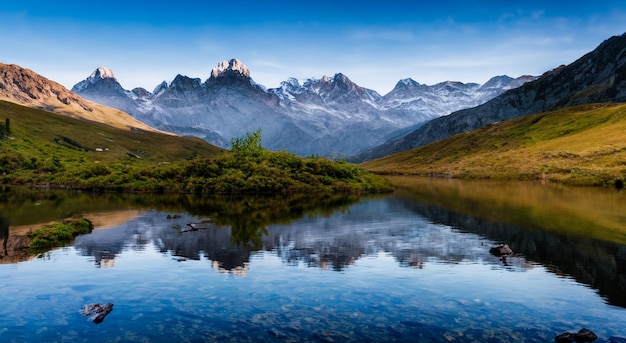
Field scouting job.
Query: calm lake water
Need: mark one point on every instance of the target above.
(412, 266)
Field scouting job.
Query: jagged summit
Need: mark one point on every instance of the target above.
(227, 67)
(407, 81)
(102, 73)
(183, 82)
(331, 115)
(160, 88)
(101, 77)
(408, 84)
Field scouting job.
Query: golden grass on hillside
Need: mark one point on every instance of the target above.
(27, 88)
(581, 145)
(42, 135)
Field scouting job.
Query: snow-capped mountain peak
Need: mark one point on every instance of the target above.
(102, 73)
(330, 115)
(408, 81)
(234, 65)
(101, 76)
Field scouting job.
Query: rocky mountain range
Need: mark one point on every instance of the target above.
(329, 116)
(27, 88)
(599, 76)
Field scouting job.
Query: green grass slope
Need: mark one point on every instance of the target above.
(41, 143)
(50, 150)
(39, 134)
(581, 145)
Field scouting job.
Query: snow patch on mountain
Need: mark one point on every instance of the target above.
(102, 73)
(234, 65)
(329, 116)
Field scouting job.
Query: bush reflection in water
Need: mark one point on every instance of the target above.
(412, 265)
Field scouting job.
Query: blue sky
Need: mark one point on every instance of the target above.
(374, 43)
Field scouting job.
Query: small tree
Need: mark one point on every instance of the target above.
(7, 126)
(249, 145)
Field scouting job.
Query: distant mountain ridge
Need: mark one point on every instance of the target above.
(598, 76)
(329, 116)
(27, 88)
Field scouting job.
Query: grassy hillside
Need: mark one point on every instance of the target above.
(580, 145)
(45, 149)
(25, 87)
(42, 145)
(45, 136)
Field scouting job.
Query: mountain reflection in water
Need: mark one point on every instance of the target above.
(410, 266)
(575, 232)
(336, 240)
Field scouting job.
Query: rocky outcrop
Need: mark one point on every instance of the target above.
(582, 336)
(25, 87)
(234, 66)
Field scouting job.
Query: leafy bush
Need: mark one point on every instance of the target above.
(248, 146)
(58, 234)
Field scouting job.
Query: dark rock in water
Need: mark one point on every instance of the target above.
(173, 216)
(619, 184)
(96, 312)
(501, 250)
(565, 337)
(615, 339)
(581, 336)
(585, 335)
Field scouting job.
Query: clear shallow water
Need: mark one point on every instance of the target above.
(394, 268)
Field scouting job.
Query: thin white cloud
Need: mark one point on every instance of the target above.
(376, 56)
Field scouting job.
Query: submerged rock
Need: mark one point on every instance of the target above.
(276, 333)
(501, 250)
(96, 312)
(582, 336)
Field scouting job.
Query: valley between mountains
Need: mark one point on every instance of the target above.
(328, 116)
(565, 125)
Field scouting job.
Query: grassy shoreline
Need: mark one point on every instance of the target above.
(274, 173)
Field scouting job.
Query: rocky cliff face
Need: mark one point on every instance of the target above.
(599, 76)
(329, 116)
(25, 87)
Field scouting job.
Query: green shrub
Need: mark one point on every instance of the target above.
(248, 169)
(58, 234)
(249, 145)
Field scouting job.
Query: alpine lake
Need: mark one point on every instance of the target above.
(415, 265)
